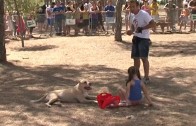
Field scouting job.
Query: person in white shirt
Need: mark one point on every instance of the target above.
(142, 22)
(50, 17)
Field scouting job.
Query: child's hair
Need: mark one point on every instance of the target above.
(131, 72)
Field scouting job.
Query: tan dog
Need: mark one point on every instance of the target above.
(79, 93)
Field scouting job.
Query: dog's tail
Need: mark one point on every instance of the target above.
(40, 99)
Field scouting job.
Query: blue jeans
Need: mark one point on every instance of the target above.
(58, 25)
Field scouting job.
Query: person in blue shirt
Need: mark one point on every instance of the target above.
(110, 15)
(59, 14)
(134, 88)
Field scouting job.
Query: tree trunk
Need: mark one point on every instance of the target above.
(2, 34)
(118, 35)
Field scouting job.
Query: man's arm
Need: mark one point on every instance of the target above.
(151, 24)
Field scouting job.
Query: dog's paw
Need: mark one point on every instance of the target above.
(48, 105)
(33, 101)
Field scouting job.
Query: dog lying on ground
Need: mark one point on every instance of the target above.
(78, 93)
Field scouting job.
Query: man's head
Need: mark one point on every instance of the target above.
(134, 6)
(109, 2)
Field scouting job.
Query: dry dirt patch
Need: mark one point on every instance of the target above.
(55, 63)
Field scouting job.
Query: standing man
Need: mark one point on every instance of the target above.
(142, 22)
(50, 17)
(110, 15)
(192, 6)
(58, 12)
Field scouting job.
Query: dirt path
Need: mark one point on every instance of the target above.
(55, 63)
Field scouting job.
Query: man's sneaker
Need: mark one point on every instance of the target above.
(146, 80)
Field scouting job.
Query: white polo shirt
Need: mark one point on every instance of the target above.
(140, 20)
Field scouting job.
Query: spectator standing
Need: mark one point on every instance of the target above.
(184, 17)
(50, 17)
(85, 16)
(58, 12)
(127, 14)
(100, 16)
(192, 6)
(171, 10)
(69, 15)
(154, 12)
(94, 17)
(30, 29)
(110, 15)
(9, 22)
(41, 17)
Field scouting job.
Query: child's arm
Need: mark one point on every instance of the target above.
(146, 94)
(128, 91)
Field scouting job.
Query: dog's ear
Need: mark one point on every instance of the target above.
(83, 81)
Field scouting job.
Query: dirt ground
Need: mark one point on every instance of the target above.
(59, 62)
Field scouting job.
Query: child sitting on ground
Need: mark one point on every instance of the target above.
(134, 87)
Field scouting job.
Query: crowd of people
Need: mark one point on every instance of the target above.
(59, 17)
(90, 16)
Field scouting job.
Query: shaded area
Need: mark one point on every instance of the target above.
(37, 48)
(21, 84)
(166, 49)
(173, 48)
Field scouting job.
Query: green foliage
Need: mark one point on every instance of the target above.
(24, 6)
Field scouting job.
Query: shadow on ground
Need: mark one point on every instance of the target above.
(167, 49)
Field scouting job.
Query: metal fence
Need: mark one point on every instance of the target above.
(70, 23)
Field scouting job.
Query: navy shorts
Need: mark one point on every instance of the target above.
(140, 47)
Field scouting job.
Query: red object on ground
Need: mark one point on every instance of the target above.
(106, 99)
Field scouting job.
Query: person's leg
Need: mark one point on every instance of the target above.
(60, 26)
(137, 62)
(191, 25)
(144, 51)
(135, 52)
(107, 24)
(56, 25)
(126, 24)
(146, 67)
(181, 23)
(122, 94)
